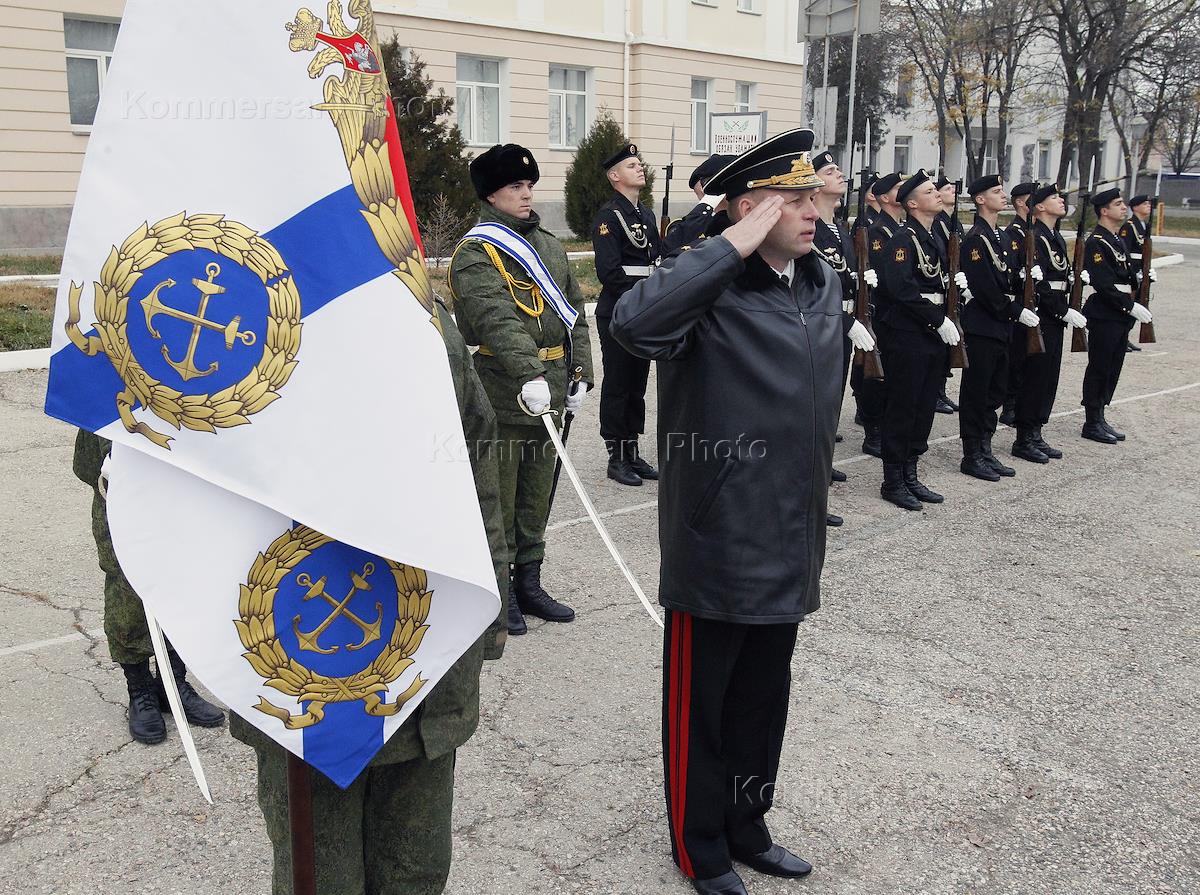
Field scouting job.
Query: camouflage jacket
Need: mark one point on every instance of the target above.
(487, 310)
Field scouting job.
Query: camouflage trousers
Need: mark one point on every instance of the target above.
(388, 834)
(526, 459)
(124, 618)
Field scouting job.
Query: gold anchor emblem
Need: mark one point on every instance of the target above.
(152, 306)
(310, 642)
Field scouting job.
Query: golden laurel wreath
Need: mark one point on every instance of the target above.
(256, 628)
(357, 103)
(127, 264)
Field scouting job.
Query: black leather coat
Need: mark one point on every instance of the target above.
(749, 390)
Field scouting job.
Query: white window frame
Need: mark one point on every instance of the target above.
(475, 87)
(902, 143)
(1045, 149)
(561, 94)
(751, 97)
(102, 60)
(750, 7)
(991, 164)
(697, 148)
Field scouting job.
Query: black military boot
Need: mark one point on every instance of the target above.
(837, 475)
(640, 467)
(1008, 415)
(533, 600)
(516, 618)
(973, 463)
(1094, 430)
(198, 711)
(873, 443)
(918, 489)
(894, 490)
(619, 468)
(993, 461)
(1025, 448)
(1119, 436)
(146, 724)
(832, 520)
(1040, 443)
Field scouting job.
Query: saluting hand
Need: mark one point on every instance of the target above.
(748, 233)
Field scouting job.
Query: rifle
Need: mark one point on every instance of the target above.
(1034, 343)
(665, 221)
(1146, 336)
(870, 361)
(844, 212)
(958, 354)
(1079, 337)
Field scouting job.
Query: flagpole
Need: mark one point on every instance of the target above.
(300, 813)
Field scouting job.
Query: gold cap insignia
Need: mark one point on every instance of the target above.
(801, 177)
(632, 149)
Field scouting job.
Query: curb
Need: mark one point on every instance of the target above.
(1170, 260)
(14, 361)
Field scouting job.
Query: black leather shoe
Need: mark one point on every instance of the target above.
(944, 405)
(532, 597)
(516, 618)
(1024, 448)
(725, 884)
(621, 472)
(837, 475)
(893, 489)
(834, 521)
(838, 439)
(991, 460)
(1129, 346)
(1040, 443)
(978, 468)
(1119, 436)
(641, 468)
(778, 861)
(146, 724)
(917, 487)
(198, 710)
(1096, 432)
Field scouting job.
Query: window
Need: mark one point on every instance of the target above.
(479, 100)
(1043, 165)
(89, 54)
(990, 165)
(568, 106)
(743, 97)
(903, 152)
(747, 6)
(700, 91)
(904, 86)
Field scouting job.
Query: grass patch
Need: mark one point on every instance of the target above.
(26, 317)
(31, 265)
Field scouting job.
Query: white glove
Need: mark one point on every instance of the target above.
(536, 395)
(949, 332)
(1141, 313)
(1075, 319)
(1153, 275)
(960, 279)
(1035, 273)
(1086, 277)
(871, 278)
(575, 399)
(1029, 318)
(861, 337)
(966, 295)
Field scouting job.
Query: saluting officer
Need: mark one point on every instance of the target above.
(1133, 233)
(1016, 247)
(625, 237)
(987, 320)
(1110, 312)
(691, 228)
(916, 335)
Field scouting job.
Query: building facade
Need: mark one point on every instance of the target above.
(522, 71)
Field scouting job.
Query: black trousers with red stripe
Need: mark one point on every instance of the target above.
(725, 705)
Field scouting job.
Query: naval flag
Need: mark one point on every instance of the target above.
(245, 312)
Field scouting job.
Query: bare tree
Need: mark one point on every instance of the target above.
(441, 229)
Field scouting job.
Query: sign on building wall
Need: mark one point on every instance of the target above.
(735, 132)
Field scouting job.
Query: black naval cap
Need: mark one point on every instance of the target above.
(628, 151)
(1042, 193)
(942, 181)
(985, 183)
(707, 168)
(1102, 199)
(781, 163)
(919, 179)
(502, 165)
(1024, 189)
(885, 184)
(1139, 199)
(823, 160)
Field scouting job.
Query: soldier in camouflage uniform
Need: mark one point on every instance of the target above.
(125, 621)
(389, 833)
(525, 351)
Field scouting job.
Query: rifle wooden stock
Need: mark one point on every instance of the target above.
(958, 353)
(1079, 337)
(664, 220)
(870, 361)
(1146, 335)
(1034, 343)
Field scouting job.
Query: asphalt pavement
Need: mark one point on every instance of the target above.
(1000, 694)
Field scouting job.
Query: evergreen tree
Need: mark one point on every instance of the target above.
(433, 145)
(588, 187)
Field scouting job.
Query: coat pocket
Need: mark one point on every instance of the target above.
(700, 513)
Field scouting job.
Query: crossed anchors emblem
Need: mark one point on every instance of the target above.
(371, 631)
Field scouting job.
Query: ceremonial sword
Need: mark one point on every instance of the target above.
(568, 418)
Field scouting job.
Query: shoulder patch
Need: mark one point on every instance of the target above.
(877, 245)
(901, 255)
(1016, 246)
(976, 255)
(604, 231)
(1098, 258)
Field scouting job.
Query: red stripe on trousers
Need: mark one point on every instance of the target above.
(681, 696)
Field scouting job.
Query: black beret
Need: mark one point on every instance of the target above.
(985, 183)
(707, 168)
(1102, 199)
(1139, 199)
(918, 179)
(825, 158)
(502, 165)
(625, 152)
(1024, 189)
(942, 181)
(1042, 193)
(884, 185)
(780, 163)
